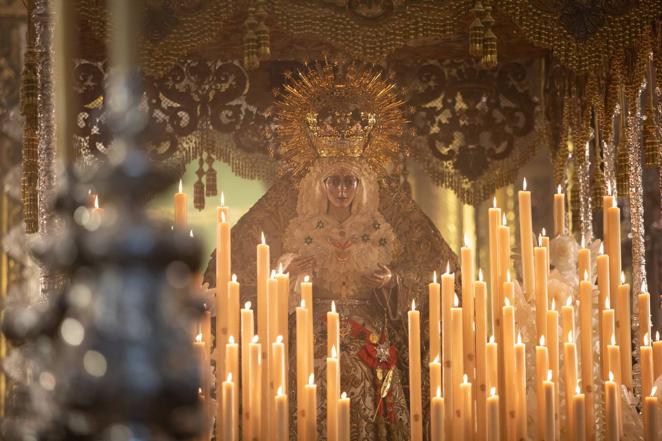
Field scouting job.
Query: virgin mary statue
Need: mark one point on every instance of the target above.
(341, 216)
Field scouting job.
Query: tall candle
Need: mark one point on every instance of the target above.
(467, 409)
(657, 355)
(568, 317)
(559, 212)
(602, 262)
(646, 357)
(611, 403)
(607, 201)
(542, 370)
(229, 419)
(613, 243)
(503, 242)
(480, 290)
(344, 426)
(494, 215)
(283, 314)
(579, 415)
(415, 404)
(307, 295)
(263, 304)
(624, 331)
(435, 376)
(651, 416)
(586, 326)
(468, 296)
(278, 372)
(493, 433)
(540, 257)
(509, 366)
(303, 370)
(247, 333)
(255, 402)
(553, 346)
(233, 306)
(232, 370)
(223, 312)
(492, 368)
(272, 296)
(434, 301)
(644, 310)
(332, 395)
(549, 421)
(570, 370)
(332, 329)
(180, 208)
(282, 424)
(457, 368)
(447, 294)
(310, 394)
(544, 242)
(520, 368)
(437, 416)
(608, 330)
(526, 240)
(584, 261)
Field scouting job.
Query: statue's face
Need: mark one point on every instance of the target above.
(341, 188)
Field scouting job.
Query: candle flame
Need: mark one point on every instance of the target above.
(273, 273)
(306, 279)
(613, 339)
(506, 301)
(540, 240)
(480, 274)
(280, 391)
(657, 335)
(577, 390)
(343, 396)
(280, 268)
(568, 301)
(448, 267)
(570, 339)
(644, 287)
(609, 188)
(494, 204)
(601, 250)
(653, 391)
(558, 189)
(611, 376)
(279, 339)
(503, 219)
(607, 303)
(311, 379)
(222, 217)
(466, 241)
(190, 233)
(229, 378)
(549, 375)
(622, 278)
(524, 184)
(334, 353)
(234, 278)
(544, 232)
(264, 242)
(436, 359)
(542, 340)
(180, 186)
(222, 199)
(434, 276)
(413, 304)
(333, 306)
(198, 338)
(583, 241)
(492, 391)
(456, 301)
(492, 338)
(303, 303)
(255, 339)
(646, 342)
(585, 275)
(96, 201)
(439, 392)
(519, 338)
(613, 203)
(231, 340)
(247, 305)
(553, 304)
(199, 391)
(465, 379)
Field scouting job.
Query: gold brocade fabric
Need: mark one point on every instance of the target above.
(422, 251)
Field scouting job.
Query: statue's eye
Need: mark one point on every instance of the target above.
(334, 181)
(350, 181)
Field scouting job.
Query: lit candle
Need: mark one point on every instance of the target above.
(180, 207)
(282, 424)
(272, 320)
(494, 215)
(540, 258)
(657, 355)
(247, 333)
(503, 232)
(584, 261)
(303, 370)
(467, 409)
(255, 402)
(437, 416)
(435, 376)
(223, 212)
(570, 370)
(493, 416)
(232, 370)
(229, 419)
(222, 301)
(579, 415)
(520, 369)
(602, 262)
(651, 417)
(492, 368)
(613, 243)
(434, 300)
(611, 403)
(447, 294)
(344, 424)
(416, 404)
(278, 372)
(97, 211)
(480, 290)
(568, 317)
(457, 367)
(646, 357)
(283, 314)
(332, 328)
(332, 394)
(307, 294)
(644, 310)
(553, 347)
(549, 421)
(310, 394)
(509, 366)
(544, 242)
(607, 201)
(586, 325)
(468, 295)
(542, 371)
(624, 331)
(526, 240)
(559, 212)
(608, 330)
(233, 308)
(263, 303)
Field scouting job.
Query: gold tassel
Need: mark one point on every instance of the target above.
(211, 188)
(489, 58)
(651, 144)
(30, 166)
(476, 31)
(251, 60)
(262, 32)
(622, 166)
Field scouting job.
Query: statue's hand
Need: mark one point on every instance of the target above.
(300, 265)
(380, 278)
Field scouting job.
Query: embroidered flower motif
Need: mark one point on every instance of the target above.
(365, 237)
(382, 242)
(308, 240)
(376, 225)
(320, 224)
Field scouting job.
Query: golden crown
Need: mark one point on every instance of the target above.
(345, 111)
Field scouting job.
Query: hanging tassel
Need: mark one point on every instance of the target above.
(262, 31)
(476, 31)
(251, 60)
(211, 189)
(199, 187)
(650, 142)
(489, 58)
